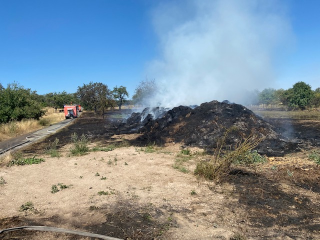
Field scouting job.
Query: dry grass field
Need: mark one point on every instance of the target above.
(15, 128)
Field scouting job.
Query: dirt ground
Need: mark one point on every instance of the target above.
(136, 191)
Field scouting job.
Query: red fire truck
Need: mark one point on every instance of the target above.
(71, 111)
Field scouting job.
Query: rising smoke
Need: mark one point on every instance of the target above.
(216, 49)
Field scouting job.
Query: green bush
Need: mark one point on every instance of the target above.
(80, 144)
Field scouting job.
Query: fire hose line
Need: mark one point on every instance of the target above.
(61, 230)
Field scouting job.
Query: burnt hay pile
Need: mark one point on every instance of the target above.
(204, 126)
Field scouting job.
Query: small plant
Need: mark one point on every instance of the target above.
(315, 156)
(125, 163)
(55, 188)
(52, 148)
(109, 162)
(103, 178)
(25, 161)
(81, 177)
(97, 174)
(103, 149)
(80, 144)
(238, 236)
(2, 181)
(44, 122)
(290, 174)
(28, 206)
(149, 149)
(103, 193)
(92, 208)
(193, 192)
(185, 152)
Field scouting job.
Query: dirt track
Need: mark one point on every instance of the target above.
(148, 198)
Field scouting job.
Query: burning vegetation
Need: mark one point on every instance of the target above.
(205, 125)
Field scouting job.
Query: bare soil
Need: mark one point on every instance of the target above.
(142, 196)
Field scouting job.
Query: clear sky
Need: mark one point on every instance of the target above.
(57, 45)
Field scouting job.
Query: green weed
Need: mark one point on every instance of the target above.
(105, 193)
(315, 156)
(28, 206)
(58, 187)
(193, 192)
(25, 161)
(103, 149)
(249, 157)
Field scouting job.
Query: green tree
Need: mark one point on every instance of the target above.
(58, 100)
(144, 91)
(18, 103)
(267, 96)
(299, 96)
(120, 94)
(94, 96)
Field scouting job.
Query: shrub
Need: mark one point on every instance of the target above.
(44, 122)
(80, 144)
(219, 166)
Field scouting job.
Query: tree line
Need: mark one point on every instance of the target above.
(17, 102)
(300, 96)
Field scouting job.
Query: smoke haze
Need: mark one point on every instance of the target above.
(216, 49)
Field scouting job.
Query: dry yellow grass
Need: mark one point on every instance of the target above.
(16, 128)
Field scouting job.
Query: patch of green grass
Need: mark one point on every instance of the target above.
(180, 168)
(25, 161)
(58, 187)
(80, 145)
(103, 149)
(315, 156)
(185, 151)
(149, 149)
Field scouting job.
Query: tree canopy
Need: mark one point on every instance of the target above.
(120, 94)
(94, 96)
(18, 103)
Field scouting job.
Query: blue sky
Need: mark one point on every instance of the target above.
(57, 45)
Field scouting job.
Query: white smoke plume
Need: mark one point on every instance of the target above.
(216, 49)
